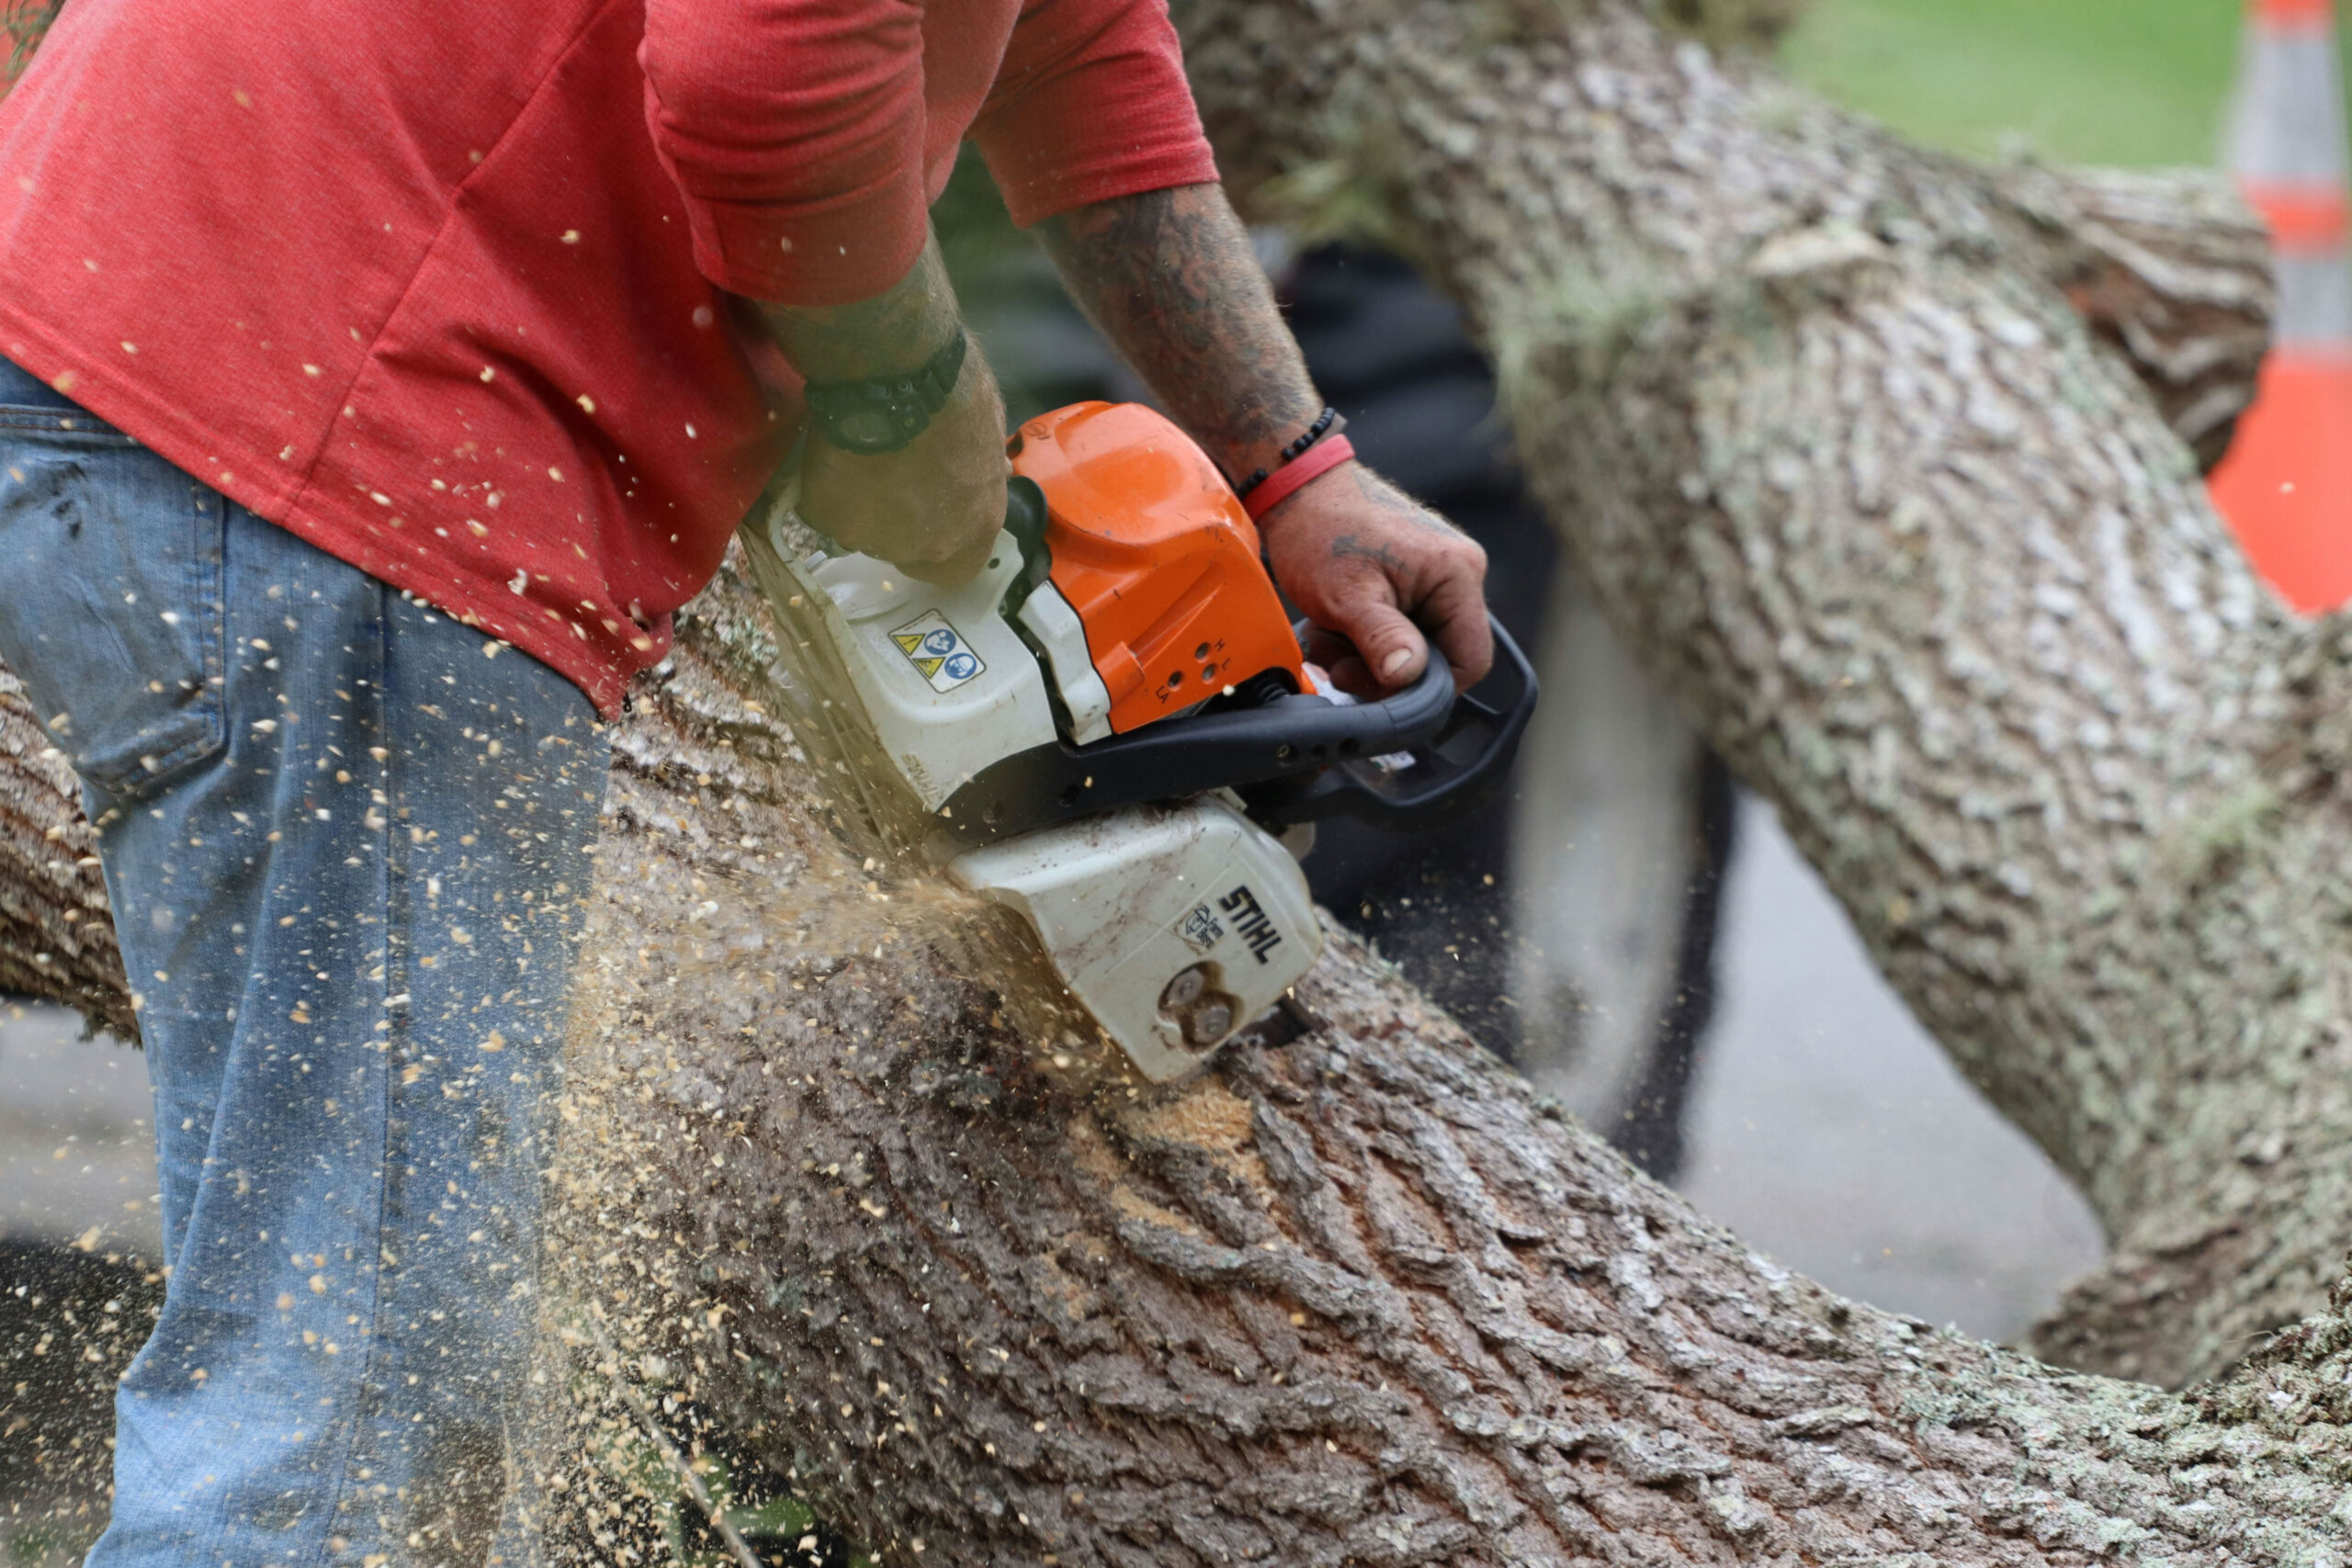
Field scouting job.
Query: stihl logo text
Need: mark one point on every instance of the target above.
(1251, 921)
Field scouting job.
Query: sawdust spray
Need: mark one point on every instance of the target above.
(710, 961)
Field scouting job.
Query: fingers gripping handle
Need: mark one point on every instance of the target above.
(1296, 759)
(1456, 763)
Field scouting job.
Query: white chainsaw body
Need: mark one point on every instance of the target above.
(1173, 924)
(939, 725)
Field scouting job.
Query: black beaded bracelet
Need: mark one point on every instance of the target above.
(1323, 425)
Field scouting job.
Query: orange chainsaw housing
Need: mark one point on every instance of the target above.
(1155, 553)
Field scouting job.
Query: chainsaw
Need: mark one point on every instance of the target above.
(1113, 731)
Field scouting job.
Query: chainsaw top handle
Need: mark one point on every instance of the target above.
(1443, 774)
(1297, 758)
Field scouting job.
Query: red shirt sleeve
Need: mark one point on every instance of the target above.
(795, 129)
(1091, 103)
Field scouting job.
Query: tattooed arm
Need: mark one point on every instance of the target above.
(1170, 278)
(23, 24)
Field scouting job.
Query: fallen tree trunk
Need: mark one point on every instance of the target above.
(1360, 1298)
(1914, 548)
(1916, 553)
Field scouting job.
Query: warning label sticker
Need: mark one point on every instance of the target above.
(1201, 928)
(938, 651)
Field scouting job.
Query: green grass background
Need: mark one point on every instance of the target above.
(2123, 82)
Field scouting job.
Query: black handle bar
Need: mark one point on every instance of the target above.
(1441, 776)
(1314, 758)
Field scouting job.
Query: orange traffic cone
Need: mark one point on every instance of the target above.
(2285, 485)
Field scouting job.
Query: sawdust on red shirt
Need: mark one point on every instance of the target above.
(450, 289)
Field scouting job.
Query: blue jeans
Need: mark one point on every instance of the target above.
(347, 841)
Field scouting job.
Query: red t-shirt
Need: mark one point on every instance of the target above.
(414, 280)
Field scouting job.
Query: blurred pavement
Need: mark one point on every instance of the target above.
(1831, 1134)
(78, 1155)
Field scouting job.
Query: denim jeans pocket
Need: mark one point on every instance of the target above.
(111, 596)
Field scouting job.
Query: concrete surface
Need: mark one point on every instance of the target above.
(77, 1153)
(1832, 1135)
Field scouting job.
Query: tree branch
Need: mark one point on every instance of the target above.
(2171, 268)
(1916, 553)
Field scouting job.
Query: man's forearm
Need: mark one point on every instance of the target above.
(932, 504)
(1170, 278)
(895, 330)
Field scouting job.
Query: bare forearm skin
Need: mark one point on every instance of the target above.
(1169, 277)
(894, 331)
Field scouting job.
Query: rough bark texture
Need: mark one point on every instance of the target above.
(56, 934)
(1914, 550)
(1361, 1298)
(1913, 547)
(2171, 270)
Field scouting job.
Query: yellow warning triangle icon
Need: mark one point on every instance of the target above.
(929, 667)
(907, 641)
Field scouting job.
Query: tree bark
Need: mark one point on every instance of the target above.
(1912, 545)
(1915, 551)
(56, 933)
(1359, 1298)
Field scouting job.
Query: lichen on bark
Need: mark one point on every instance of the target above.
(1360, 1298)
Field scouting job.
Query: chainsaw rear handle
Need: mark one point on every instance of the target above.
(1271, 745)
(1453, 771)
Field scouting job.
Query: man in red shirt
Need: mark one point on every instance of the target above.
(350, 347)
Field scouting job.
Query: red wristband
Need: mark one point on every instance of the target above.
(1288, 480)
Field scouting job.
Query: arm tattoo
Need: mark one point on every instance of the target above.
(896, 329)
(1170, 278)
(27, 23)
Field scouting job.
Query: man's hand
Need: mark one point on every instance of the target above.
(1366, 562)
(1170, 279)
(935, 506)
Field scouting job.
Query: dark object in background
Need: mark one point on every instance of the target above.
(1649, 1131)
(1392, 356)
